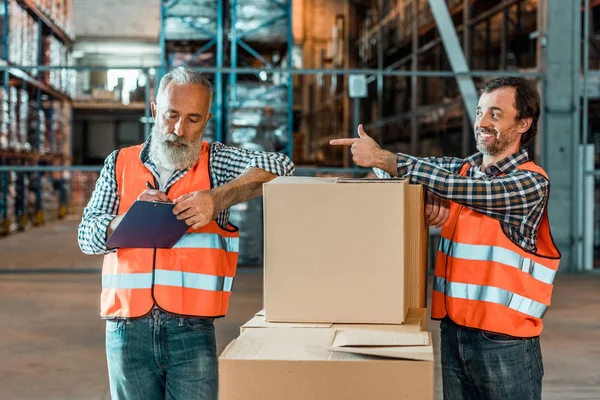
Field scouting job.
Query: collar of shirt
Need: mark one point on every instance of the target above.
(504, 166)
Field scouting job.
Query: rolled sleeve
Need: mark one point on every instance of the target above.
(227, 163)
(274, 163)
(100, 210)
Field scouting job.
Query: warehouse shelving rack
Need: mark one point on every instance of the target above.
(226, 45)
(206, 49)
(31, 80)
(407, 39)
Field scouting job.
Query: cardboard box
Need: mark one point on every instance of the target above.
(416, 320)
(417, 238)
(327, 364)
(338, 251)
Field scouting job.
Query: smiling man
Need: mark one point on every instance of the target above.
(160, 304)
(496, 261)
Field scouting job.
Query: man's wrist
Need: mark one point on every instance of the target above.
(387, 161)
(218, 197)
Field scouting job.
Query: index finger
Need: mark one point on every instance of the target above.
(182, 198)
(156, 193)
(182, 204)
(343, 142)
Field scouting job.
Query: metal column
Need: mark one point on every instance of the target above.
(455, 55)
(560, 143)
(414, 102)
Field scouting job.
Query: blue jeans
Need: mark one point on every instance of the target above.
(481, 365)
(162, 356)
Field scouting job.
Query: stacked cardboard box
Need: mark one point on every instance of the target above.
(345, 265)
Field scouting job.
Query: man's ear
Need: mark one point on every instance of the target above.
(524, 125)
(153, 107)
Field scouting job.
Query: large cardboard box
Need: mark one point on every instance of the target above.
(327, 364)
(343, 251)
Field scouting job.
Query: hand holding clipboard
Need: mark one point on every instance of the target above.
(148, 224)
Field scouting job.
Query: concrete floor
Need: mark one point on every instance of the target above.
(52, 340)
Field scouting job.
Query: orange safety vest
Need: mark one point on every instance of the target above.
(193, 278)
(485, 281)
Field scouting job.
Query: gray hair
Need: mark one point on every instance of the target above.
(183, 75)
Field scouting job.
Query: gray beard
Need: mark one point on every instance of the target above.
(171, 157)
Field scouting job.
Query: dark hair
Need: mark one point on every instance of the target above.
(527, 101)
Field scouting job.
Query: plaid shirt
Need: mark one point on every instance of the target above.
(226, 164)
(516, 198)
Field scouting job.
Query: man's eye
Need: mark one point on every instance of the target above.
(172, 116)
(193, 121)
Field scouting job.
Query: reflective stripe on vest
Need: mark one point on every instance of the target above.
(479, 252)
(187, 280)
(208, 241)
(490, 294)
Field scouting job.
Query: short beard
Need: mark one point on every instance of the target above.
(171, 157)
(502, 142)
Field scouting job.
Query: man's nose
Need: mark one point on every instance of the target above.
(178, 128)
(484, 122)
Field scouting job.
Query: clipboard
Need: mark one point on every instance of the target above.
(148, 225)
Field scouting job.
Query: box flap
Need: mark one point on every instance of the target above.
(261, 313)
(412, 324)
(300, 180)
(364, 338)
(259, 322)
(282, 344)
(369, 180)
(417, 353)
(313, 344)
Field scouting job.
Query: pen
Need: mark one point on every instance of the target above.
(150, 185)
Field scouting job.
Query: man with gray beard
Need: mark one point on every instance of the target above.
(160, 304)
(496, 261)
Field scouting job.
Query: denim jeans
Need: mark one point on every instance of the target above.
(162, 356)
(481, 365)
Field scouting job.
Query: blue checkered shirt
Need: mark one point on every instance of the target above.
(226, 164)
(517, 198)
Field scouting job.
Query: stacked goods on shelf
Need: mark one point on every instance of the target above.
(251, 14)
(13, 130)
(11, 203)
(59, 12)
(56, 53)
(50, 199)
(67, 116)
(248, 217)
(187, 15)
(38, 119)
(259, 116)
(56, 127)
(23, 37)
(15, 32)
(30, 200)
(23, 137)
(83, 184)
(34, 121)
(4, 118)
